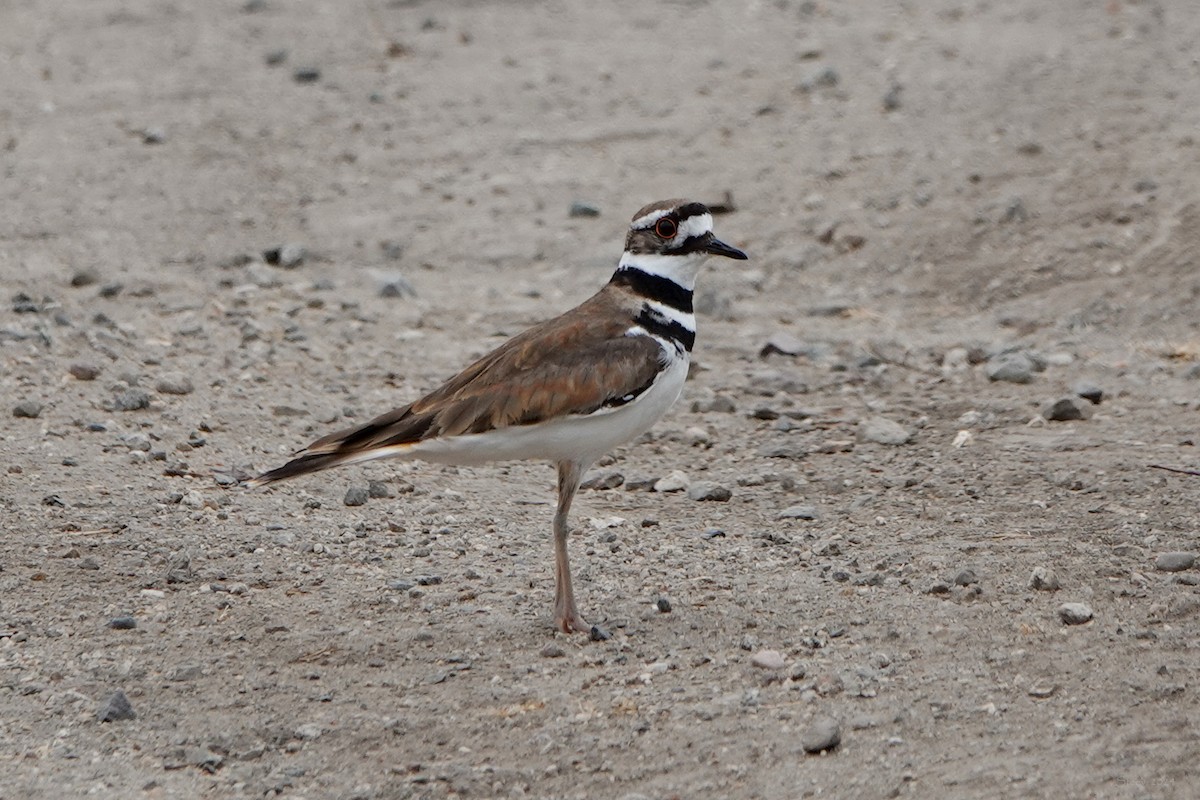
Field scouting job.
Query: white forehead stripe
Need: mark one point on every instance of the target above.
(648, 220)
(693, 226)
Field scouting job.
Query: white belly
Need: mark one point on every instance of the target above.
(577, 438)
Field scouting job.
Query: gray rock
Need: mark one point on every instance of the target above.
(395, 285)
(822, 735)
(965, 577)
(609, 479)
(785, 344)
(116, 708)
(582, 209)
(84, 371)
(1067, 409)
(1089, 391)
(184, 673)
(882, 430)
(552, 650)
(676, 481)
(84, 277)
(306, 75)
(356, 496)
(275, 57)
(29, 409)
(1174, 562)
(663, 605)
(768, 659)
(378, 489)
(824, 78)
(709, 490)
(392, 250)
(792, 450)
(24, 304)
(891, 100)
(1075, 613)
(131, 400)
(288, 256)
(175, 383)
(799, 512)
(1012, 367)
(719, 403)
(1043, 580)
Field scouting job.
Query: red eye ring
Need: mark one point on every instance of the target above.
(666, 228)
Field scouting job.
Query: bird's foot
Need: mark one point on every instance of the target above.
(569, 620)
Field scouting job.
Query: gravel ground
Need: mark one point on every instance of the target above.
(916, 544)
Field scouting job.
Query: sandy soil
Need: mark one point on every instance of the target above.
(921, 186)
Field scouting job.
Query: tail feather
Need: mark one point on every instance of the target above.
(304, 464)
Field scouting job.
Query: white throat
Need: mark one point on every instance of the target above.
(682, 269)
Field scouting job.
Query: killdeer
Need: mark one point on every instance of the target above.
(567, 390)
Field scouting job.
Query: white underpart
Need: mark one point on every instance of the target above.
(680, 268)
(582, 437)
(684, 318)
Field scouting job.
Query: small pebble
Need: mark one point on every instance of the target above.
(882, 430)
(175, 383)
(84, 371)
(1174, 562)
(1011, 368)
(965, 577)
(378, 489)
(125, 623)
(24, 304)
(288, 256)
(29, 409)
(131, 400)
(582, 209)
(663, 605)
(1089, 391)
(309, 731)
(768, 659)
(1043, 580)
(84, 277)
(675, 481)
(610, 479)
(785, 344)
(823, 734)
(553, 650)
(394, 285)
(356, 496)
(708, 491)
(799, 512)
(307, 75)
(1066, 409)
(116, 708)
(276, 57)
(1075, 613)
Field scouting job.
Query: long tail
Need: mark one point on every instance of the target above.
(388, 435)
(302, 465)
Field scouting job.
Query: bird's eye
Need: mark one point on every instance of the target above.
(666, 228)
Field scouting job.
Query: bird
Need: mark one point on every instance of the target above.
(567, 390)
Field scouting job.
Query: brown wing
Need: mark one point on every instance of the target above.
(574, 364)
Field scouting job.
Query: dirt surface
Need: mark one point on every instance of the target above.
(922, 187)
